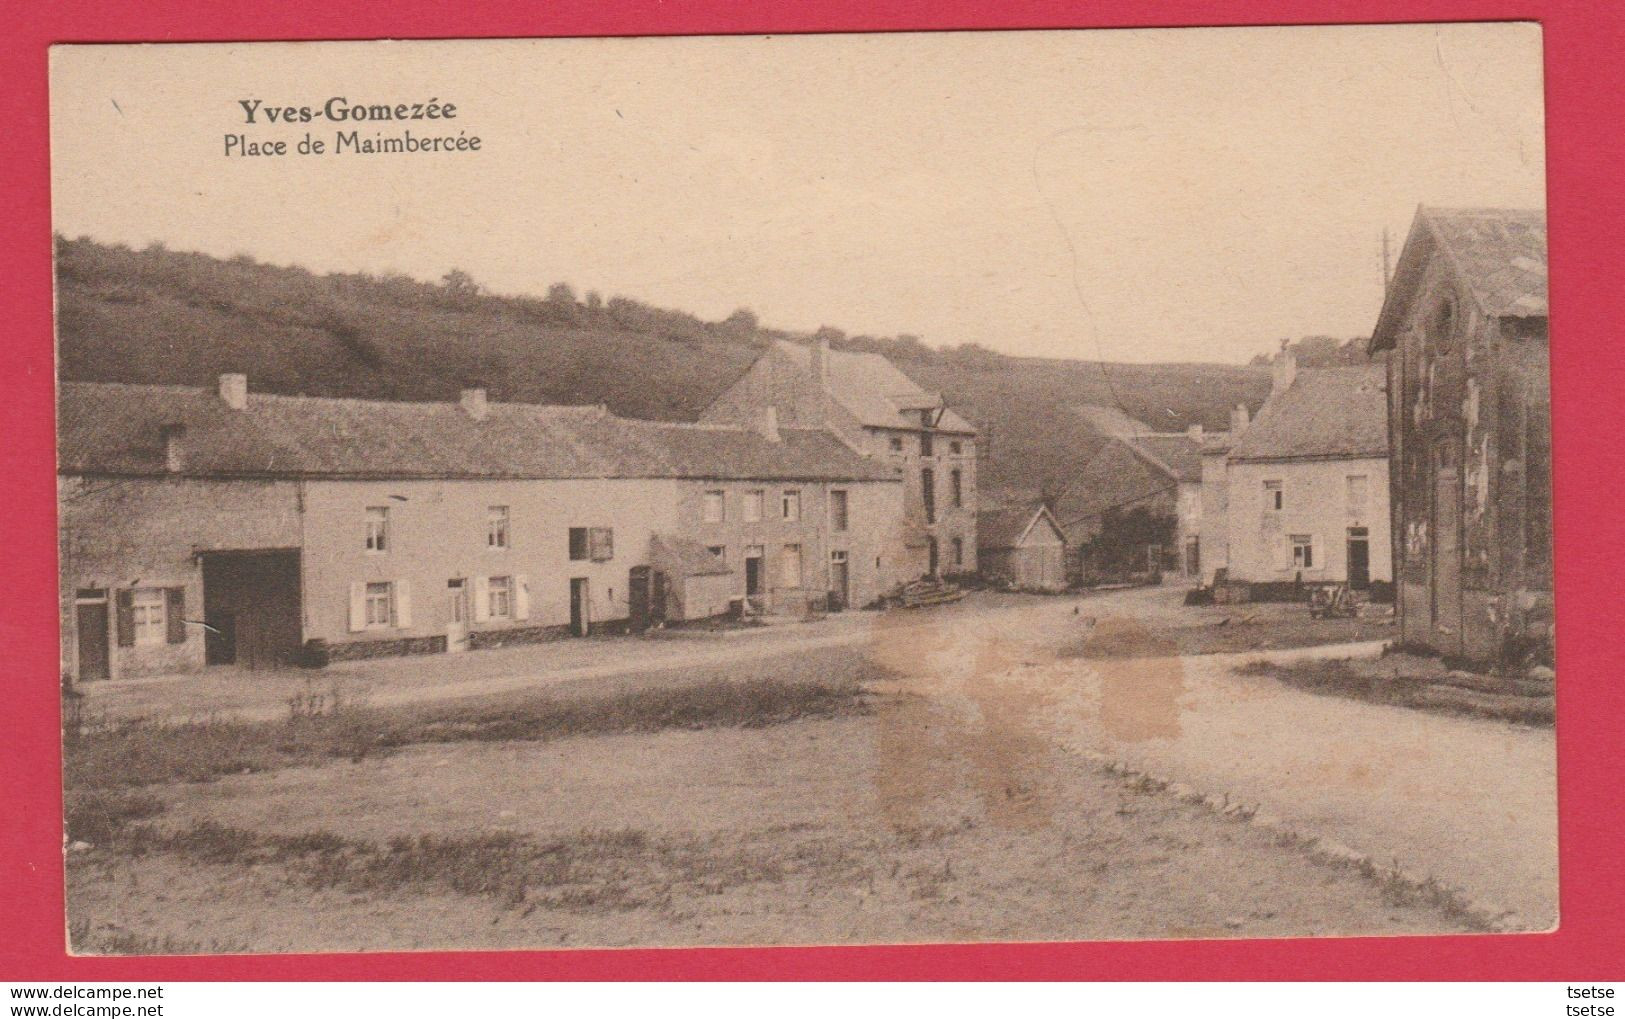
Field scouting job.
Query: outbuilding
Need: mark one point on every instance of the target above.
(1022, 546)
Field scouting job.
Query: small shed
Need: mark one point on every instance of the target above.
(1022, 546)
(697, 583)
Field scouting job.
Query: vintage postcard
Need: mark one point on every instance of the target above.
(831, 489)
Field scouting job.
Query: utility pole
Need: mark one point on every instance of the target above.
(1387, 277)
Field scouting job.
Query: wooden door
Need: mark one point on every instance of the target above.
(840, 581)
(91, 621)
(1359, 559)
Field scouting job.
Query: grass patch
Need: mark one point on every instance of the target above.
(135, 753)
(1372, 683)
(85, 938)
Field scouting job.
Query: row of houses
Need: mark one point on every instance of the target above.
(221, 526)
(1424, 475)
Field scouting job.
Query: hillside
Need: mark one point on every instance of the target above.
(159, 316)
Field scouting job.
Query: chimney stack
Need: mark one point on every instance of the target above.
(770, 423)
(234, 390)
(1284, 371)
(174, 453)
(1195, 433)
(474, 403)
(820, 361)
(1238, 421)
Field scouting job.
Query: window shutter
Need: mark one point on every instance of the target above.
(126, 617)
(521, 597)
(358, 607)
(602, 540)
(175, 614)
(482, 599)
(403, 604)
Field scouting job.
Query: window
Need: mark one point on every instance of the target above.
(459, 599)
(956, 447)
(956, 484)
(720, 551)
(377, 528)
(147, 615)
(496, 527)
(896, 443)
(928, 492)
(714, 507)
(578, 544)
(790, 566)
(1303, 552)
(959, 552)
(925, 444)
(1272, 497)
(753, 505)
(380, 597)
(790, 504)
(1357, 492)
(499, 597)
(837, 510)
(600, 544)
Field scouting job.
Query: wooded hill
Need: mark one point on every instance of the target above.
(159, 316)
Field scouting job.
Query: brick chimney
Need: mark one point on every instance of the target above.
(1284, 371)
(174, 447)
(234, 390)
(819, 361)
(770, 423)
(474, 404)
(1238, 421)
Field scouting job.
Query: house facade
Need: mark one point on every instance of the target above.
(1023, 547)
(886, 417)
(1304, 488)
(1158, 472)
(201, 527)
(1465, 327)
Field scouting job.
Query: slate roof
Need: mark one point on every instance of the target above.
(115, 428)
(1112, 422)
(1499, 255)
(685, 557)
(872, 389)
(1005, 527)
(1178, 454)
(1327, 413)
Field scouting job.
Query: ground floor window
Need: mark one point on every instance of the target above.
(720, 551)
(1303, 551)
(379, 598)
(499, 595)
(959, 553)
(151, 626)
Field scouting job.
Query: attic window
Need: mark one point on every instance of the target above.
(1444, 326)
(896, 443)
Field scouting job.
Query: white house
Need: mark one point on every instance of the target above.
(1305, 486)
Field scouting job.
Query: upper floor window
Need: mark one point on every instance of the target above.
(956, 484)
(377, 528)
(578, 544)
(959, 552)
(928, 494)
(956, 447)
(753, 505)
(496, 527)
(896, 443)
(837, 510)
(714, 507)
(926, 444)
(1358, 485)
(790, 504)
(1303, 551)
(1273, 500)
(379, 601)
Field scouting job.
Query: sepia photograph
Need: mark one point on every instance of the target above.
(846, 489)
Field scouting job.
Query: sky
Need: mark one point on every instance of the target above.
(1126, 195)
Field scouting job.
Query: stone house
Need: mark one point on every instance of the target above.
(1304, 487)
(886, 417)
(201, 527)
(1469, 419)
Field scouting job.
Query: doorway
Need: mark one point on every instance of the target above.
(457, 615)
(1359, 558)
(753, 570)
(580, 608)
(90, 623)
(931, 557)
(251, 608)
(840, 582)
